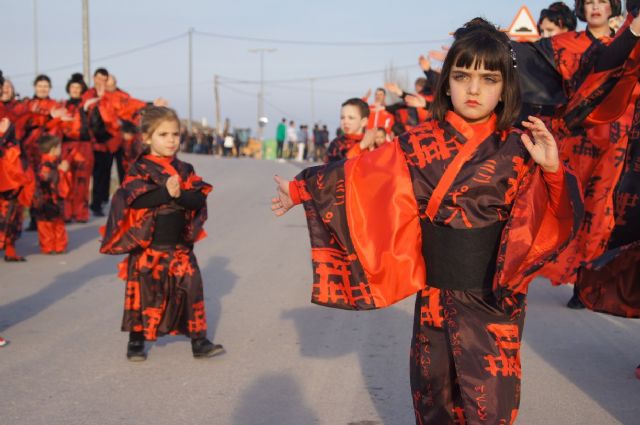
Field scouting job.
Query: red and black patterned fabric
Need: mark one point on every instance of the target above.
(467, 369)
(17, 184)
(37, 122)
(164, 288)
(595, 139)
(48, 204)
(610, 283)
(340, 146)
(77, 149)
(367, 252)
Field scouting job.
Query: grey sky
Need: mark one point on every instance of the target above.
(118, 25)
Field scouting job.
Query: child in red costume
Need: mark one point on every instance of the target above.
(156, 216)
(16, 185)
(53, 182)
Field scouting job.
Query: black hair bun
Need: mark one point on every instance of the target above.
(77, 77)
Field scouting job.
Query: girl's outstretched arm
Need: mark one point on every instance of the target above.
(283, 202)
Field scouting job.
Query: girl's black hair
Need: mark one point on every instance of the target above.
(42, 77)
(616, 9)
(560, 14)
(76, 78)
(480, 43)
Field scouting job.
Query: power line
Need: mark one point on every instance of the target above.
(306, 89)
(282, 111)
(319, 43)
(324, 77)
(110, 56)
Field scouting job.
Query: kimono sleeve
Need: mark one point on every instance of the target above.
(366, 242)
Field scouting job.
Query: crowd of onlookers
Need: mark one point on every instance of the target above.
(293, 142)
(228, 142)
(300, 143)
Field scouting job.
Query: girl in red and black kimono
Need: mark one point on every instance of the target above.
(77, 149)
(52, 186)
(156, 216)
(465, 210)
(17, 185)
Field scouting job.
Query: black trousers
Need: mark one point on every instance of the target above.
(279, 149)
(101, 178)
(103, 161)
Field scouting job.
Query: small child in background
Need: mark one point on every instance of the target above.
(53, 182)
(354, 116)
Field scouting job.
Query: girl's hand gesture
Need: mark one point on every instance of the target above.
(64, 166)
(543, 148)
(4, 125)
(173, 186)
(368, 141)
(282, 203)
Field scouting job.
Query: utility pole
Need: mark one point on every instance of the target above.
(217, 98)
(190, 79)
(313, 102)
(86, 58)
(261, 93)
(35, 37)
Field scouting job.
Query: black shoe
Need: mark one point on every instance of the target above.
(202, 347)
(97, 212)
(135, 351)
(14, 258)
(575, 303)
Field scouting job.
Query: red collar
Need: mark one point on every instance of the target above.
(164, 162)
(354, 137)
(471, 130)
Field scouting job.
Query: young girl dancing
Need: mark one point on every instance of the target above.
(156, 216)
(462, 209)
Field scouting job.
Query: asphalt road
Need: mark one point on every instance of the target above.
(287, 361)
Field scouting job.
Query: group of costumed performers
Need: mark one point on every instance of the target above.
(516, 160)
(156, 216)
(469, 206)
(88, 129)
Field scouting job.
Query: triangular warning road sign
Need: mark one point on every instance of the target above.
(523, 27)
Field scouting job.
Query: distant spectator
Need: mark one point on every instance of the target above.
(292, 139)
(281, 135)
(303, 137)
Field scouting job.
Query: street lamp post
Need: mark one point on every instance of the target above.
(35, 37)
(86, 58)
(261, 93)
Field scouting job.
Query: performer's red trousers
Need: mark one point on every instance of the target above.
(52, 236)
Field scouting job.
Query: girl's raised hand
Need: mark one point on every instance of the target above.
(4, 125)
(282, 203)
(543, 148)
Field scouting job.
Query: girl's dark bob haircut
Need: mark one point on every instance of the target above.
(560, 14)
(479, 43)
(616, 9)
